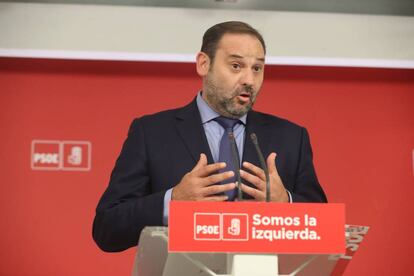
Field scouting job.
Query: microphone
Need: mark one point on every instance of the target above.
(236, 162)
(253, 137)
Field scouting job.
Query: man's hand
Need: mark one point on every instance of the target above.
(257, 177)
(201, 183)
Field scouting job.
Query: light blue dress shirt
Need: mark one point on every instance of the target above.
(214, 131)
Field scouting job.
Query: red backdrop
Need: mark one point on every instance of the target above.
(361, 123)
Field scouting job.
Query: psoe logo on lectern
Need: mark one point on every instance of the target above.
(217, 226)
(207, 226)
(61, 155)
(235, 227)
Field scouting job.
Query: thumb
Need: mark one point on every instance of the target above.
(201, 162)
(271, 163)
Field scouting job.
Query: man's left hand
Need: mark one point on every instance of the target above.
(257, 177)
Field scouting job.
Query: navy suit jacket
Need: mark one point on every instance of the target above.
(162, 147)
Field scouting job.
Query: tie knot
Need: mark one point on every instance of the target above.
(226, 123)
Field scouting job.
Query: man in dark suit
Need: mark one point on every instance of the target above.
(180, 154)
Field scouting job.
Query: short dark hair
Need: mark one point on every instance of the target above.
(212, 36)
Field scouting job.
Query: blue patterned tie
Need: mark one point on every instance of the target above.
(225, 153)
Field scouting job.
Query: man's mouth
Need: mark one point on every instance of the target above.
(244, 97)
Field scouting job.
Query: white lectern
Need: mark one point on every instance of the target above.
(153, 259)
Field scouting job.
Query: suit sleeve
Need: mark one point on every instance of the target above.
(306, 187)
(128, 204)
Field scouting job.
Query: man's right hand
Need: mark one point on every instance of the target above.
(201, 183)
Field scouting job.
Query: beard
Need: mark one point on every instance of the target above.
(228, 106)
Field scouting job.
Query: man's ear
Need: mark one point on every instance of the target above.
(203, 64)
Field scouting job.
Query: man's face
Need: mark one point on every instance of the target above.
(233, 81)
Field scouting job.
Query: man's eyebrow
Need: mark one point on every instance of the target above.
(241, 57)
(235, 56)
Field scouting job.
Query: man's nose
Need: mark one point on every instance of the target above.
(247, 78)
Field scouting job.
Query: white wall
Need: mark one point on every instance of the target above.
(143, 33)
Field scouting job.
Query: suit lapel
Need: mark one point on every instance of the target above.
(190, 129)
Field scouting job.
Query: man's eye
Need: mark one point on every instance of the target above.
(235, 66)
(257, 68)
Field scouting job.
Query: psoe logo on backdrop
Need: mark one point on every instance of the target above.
(217, 226)
(61, 155)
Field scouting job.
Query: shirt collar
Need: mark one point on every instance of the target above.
(207, 113)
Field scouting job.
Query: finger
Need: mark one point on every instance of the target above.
(271, 163)
(211, 168)
(218, 189)
(253, 179)
(201, 162)
(255, 193)
(255, 170)
(217, 178)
